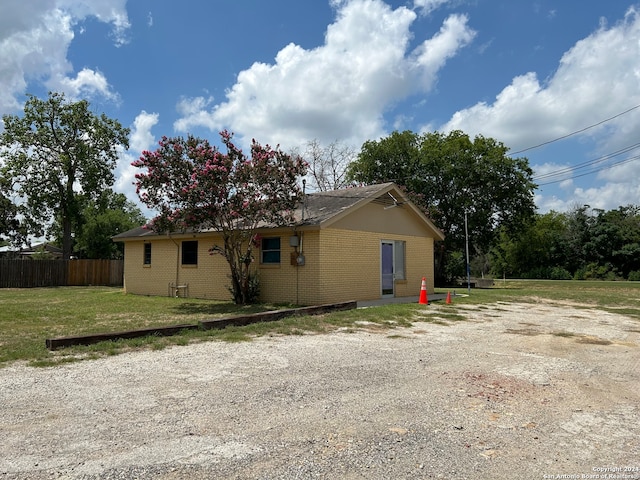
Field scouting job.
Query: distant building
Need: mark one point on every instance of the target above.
(41, 250)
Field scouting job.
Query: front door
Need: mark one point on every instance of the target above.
(386, 273)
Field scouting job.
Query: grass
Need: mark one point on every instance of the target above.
(616, 297)
(29, 316)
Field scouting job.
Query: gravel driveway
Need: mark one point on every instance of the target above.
(519, 391)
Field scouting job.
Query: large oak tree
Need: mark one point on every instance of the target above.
(451, 176)
(58, 155)
(11, 229)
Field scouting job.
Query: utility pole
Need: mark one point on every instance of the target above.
(466, 241)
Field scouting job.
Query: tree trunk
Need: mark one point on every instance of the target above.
(67, 244)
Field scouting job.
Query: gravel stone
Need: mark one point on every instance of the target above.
(516, 391)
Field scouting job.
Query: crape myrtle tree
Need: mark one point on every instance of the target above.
(57, 156)
(195, 186)
(450, 175)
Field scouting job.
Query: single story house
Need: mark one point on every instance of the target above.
(41, 250)
(360, 243)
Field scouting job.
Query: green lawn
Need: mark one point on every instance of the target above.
(29, 316)
(607, 295)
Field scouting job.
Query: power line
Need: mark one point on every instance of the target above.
(586, 164)
(576, 132)
(606, 167)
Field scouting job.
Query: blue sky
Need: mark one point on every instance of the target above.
(287, 72)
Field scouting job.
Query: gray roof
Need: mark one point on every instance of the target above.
(141, 231)
(320, 208)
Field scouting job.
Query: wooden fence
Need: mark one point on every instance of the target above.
(57, 273)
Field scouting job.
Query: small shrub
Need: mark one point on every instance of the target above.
(559, 273)
(595, 271)
(455, 267)
(538, 273)
(634, 276)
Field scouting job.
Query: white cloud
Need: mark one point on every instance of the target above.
(432, 55)
(598, 78)
(547, 203)
(428, 6)
(34, 39)
(339, 90)
(608, 196)
(86, 83)
(621, 187)
(552, 172)
(194, 113)
(625, 168)
(107, 11)
(140, 139)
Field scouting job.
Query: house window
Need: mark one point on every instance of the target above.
(190, 252)
(270, 250)
(147, 254)
(399, 260)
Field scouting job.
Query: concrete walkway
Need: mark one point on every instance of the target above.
(386, 301)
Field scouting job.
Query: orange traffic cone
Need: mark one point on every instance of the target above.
(423, 292)
(448, 298)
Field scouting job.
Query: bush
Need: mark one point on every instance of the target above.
(594, 271)
(455, 267)
(538, 273)
(634, 276)
(559, 273)
(548, 273)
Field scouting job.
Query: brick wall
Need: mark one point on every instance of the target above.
(343, 265)
(339, 265)
(286, 283)
(350, 269)
(207, 279)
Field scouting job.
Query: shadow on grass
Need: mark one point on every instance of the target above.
(220, 309)
(628, 311)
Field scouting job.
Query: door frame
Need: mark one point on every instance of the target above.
(393, 269)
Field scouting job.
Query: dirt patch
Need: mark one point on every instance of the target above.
(497, 396)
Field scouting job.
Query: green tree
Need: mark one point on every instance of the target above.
(614, 240)
(581, 243)
(11, 229)
(452, 176)
(194, 186)
(58, 155)
(534, 251)
(109, 214)
(577, 236)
